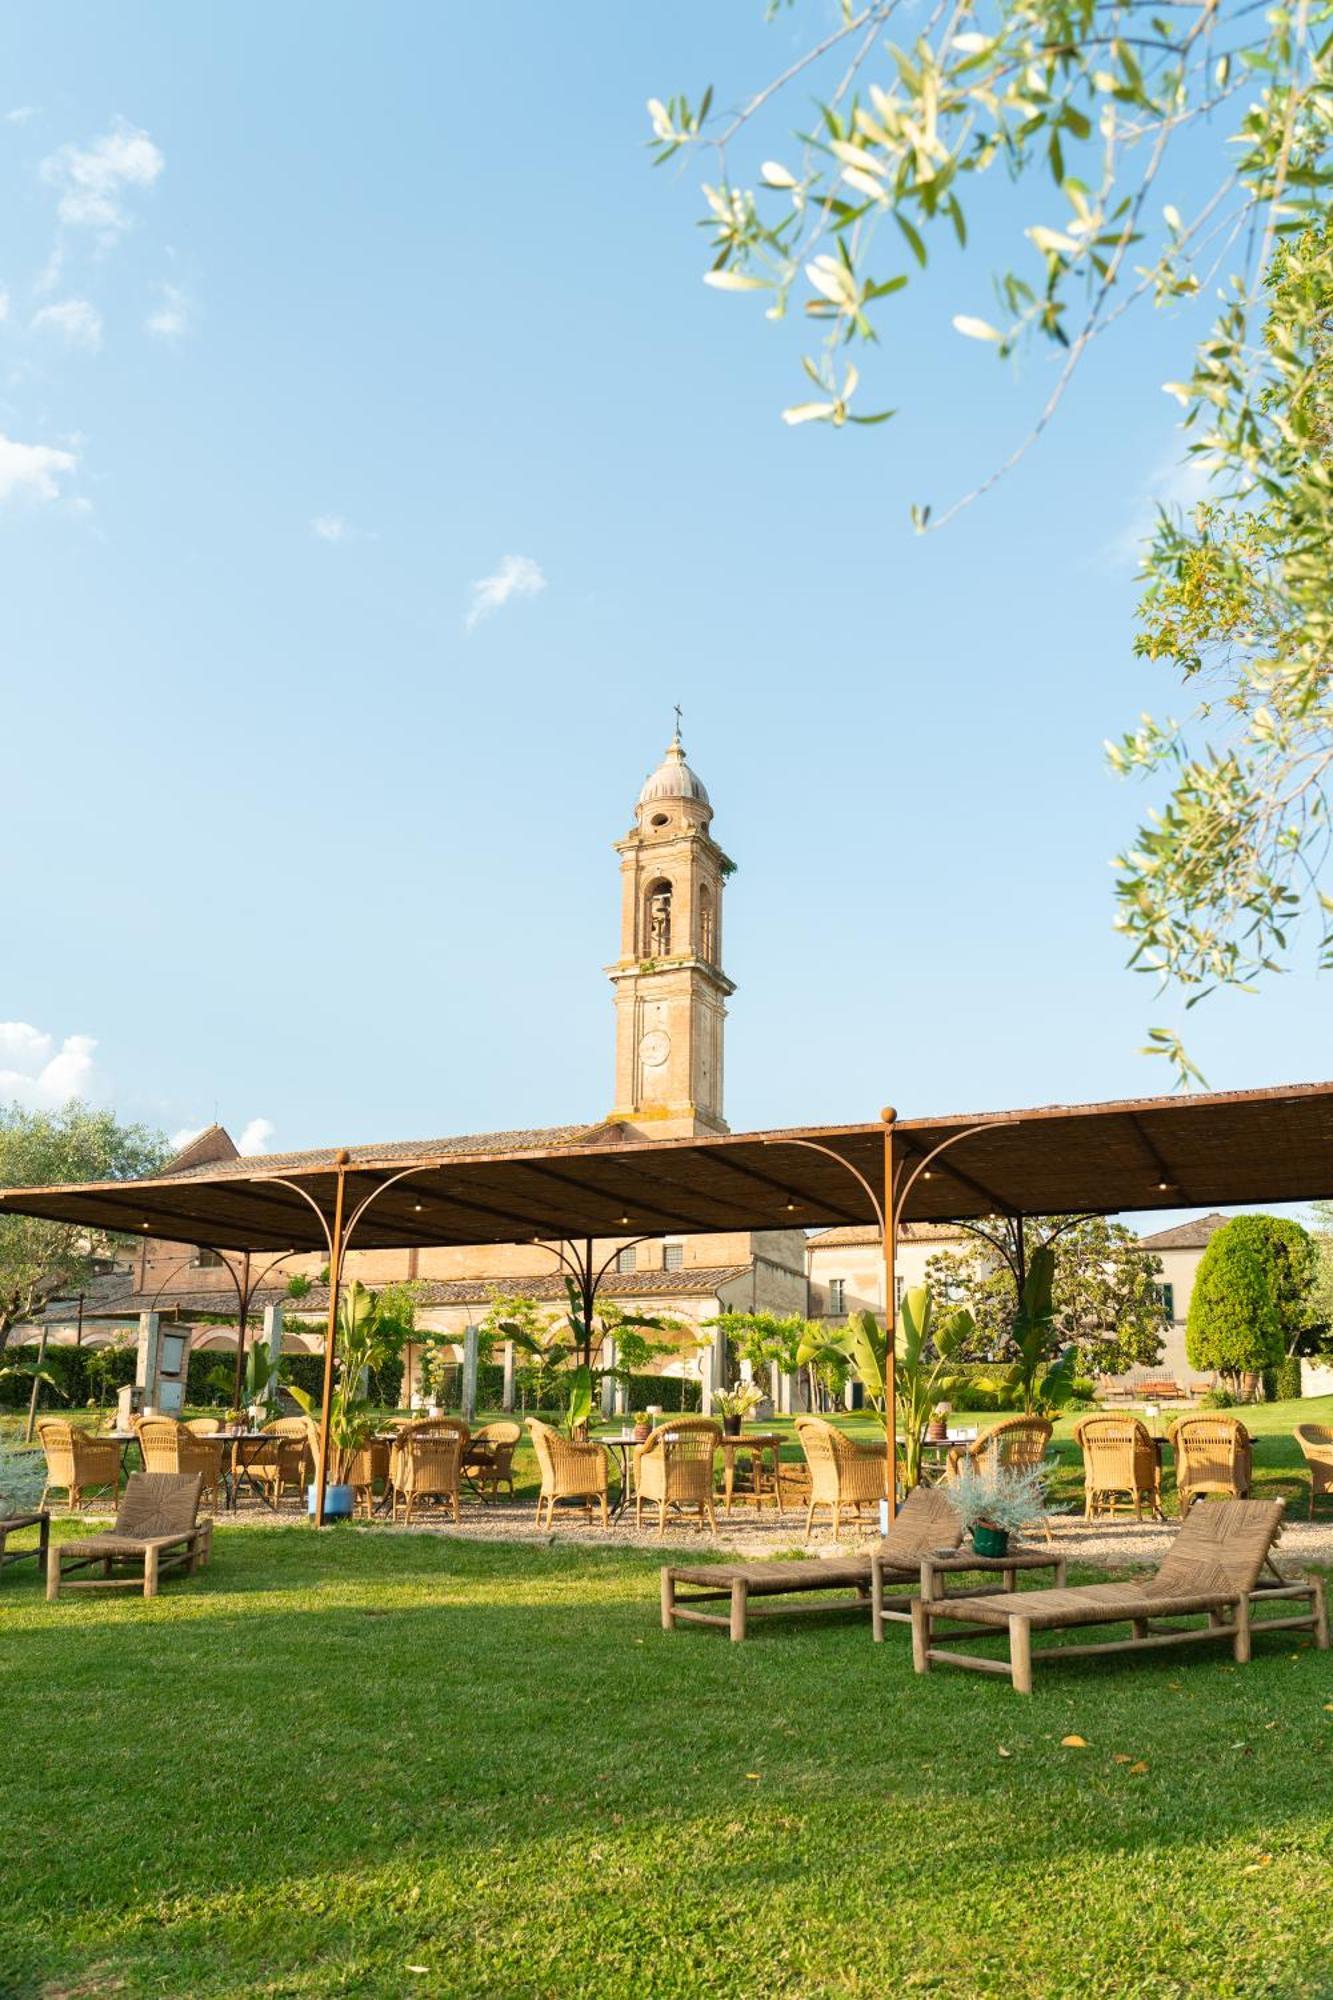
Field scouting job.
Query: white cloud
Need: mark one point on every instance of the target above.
(93, 179)
(517, 576)
(180, 1140)
(330, 528)
(37, 1074)
(257, 1136)
(4, 304)
(171, 318)
(21, 114)
(77, 321)
(31, 471)
(1176, 483)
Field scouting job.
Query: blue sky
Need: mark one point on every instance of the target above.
(316, 315)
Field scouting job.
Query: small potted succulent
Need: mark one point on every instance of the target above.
(937, 1424)
(994, 1504)
(734, 1405)
(643, 1430)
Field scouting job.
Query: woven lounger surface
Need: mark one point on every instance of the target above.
(769, 1579)
(1090, 1604)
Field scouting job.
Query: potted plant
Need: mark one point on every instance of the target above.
(643, 1430)
(733, 1405)
(993, 1504)
(937, 1429)
(363, 1343)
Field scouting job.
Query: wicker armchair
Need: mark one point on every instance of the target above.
(1316, 1443)
(1119, 1461)
(842, 1472)
(490, 1458)
(167, 1446)
(203, 1427)
(569, 1471)
(674, 1467)
(288, 1461)
(1017, 1445)
(1212, 1456)
(425, 1463)
(77, 1462)
(370, 1463)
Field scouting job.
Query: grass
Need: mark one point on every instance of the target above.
(368, 1765)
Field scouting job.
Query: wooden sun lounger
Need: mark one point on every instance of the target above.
(1213, 1567)
(157, 1531)
(926, 1525)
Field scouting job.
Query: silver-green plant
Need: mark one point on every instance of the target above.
(985, 1496)
(22, 1478)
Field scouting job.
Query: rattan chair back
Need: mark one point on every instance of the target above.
(1220, 1550)
(1118, 1459)
(925, 1524)
(159, 1503)
(1212, 1456)
(76, 1462)
(1016, 1445)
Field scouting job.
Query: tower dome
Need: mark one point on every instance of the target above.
(673, 778)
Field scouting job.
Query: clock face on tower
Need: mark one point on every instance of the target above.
(655, 1048)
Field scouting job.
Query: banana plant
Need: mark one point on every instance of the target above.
(861, 1342)
(361, 1344)
(1042, 1375)
(924, 1350)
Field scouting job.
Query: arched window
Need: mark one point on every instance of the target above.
(657, 919)
(707, 934)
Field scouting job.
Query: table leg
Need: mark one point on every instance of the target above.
(728, 1477)
(44, 1544)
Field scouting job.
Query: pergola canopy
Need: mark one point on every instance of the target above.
(1147, 1153)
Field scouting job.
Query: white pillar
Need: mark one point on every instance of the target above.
(707, 1379)
(609, 1383)
(470, 1375)
(273, 1337)
(507, 1395)
(145, 1360)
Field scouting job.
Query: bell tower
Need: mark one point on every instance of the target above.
(670, 989)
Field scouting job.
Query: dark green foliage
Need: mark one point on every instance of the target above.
(1249, 1308)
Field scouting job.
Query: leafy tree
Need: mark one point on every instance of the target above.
(1321, 1288)
(1240, 602)
(1092, 112)
(1250, 1303)
(789, 1342)
(40, 1259)
(562, 1344)
(1106, 1298)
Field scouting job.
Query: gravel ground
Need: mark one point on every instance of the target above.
(753, 1533)
(750, 1532)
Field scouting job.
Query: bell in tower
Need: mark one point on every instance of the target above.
(670, 990)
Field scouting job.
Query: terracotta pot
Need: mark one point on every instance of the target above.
(642, 1433)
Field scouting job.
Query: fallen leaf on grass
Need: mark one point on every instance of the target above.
(754, 1776)
(1254, 1866)
(1073, 1742)
(1000, 1751)
(1121, 1757)
(1139, 1770)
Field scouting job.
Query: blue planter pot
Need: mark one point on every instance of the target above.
(337, 1502)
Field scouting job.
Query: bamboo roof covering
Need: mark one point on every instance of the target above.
(1147, 1153)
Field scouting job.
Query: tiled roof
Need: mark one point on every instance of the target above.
(1193, 1235)
(689, 1281)
(466, 1144)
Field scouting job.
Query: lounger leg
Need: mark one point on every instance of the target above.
(1241, 1647)
(53, 1576)
(738, 1595)
(668, 1601)
(920, 1637)
(1319, 1607)
(877, 1603)
(1139, 1627)
(1020, 1654)
(150, 1562)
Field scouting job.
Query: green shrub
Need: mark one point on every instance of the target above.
(1287, 1379)
(1217, 1399)
(1249, 1296)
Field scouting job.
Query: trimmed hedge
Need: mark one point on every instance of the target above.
(208, 1382)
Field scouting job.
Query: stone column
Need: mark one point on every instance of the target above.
(507, 1394)
(145, 1360)
(273, 1336)
(470, 1375)
(707, 1379)
(609, 1383)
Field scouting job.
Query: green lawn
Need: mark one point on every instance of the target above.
(371, 1765)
